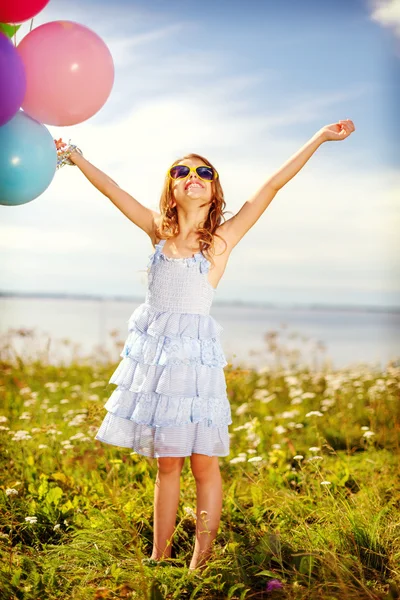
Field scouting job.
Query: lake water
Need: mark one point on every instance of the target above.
(338, 338)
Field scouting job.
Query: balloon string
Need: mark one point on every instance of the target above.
(15, 37)
(31, 26)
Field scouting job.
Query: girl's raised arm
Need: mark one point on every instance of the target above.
(136, 212)
(236, 227)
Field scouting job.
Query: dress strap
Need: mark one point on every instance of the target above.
(156, 255)
(161, 243)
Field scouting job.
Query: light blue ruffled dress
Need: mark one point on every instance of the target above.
(171, 396)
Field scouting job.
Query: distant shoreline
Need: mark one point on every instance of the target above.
(270, 305)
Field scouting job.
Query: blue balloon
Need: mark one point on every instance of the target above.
(28, 160)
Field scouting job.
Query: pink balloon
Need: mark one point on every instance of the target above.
(69, 73)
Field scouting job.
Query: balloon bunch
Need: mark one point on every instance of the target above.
(61, 73)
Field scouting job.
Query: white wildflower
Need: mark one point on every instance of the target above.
(64, 401)
(253, 438)
(365, 428)
(96, 384)
(368, 434)
(297, 400)
(29, 402)
(56, 526)
(242, 409)
(51, 385)
(325, 483)
(31, 519)
(239, 428)
(3, 419)
(280, 429)
(25, 416)
(77, 420)
(298, 457)
(11, 491)
(327, 403)
(25, 390)
(289, 414)
(237, 459)
(21, 434)
(314, 413)
(294, 392)
(254, 459)
(314, 458)
(314, 449)
(189, 511)
(263, 396)
(80, 435)
(67, 445)
(276, 446)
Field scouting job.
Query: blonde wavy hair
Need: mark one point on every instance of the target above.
(168, 225)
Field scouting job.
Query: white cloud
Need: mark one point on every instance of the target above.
(387, 14)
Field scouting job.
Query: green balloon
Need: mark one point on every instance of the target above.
(9, 30)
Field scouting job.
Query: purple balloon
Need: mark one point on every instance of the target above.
(12, 80)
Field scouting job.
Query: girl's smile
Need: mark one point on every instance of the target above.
(193, 183)
(192, 186)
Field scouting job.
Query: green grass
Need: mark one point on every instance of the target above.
(326, 525)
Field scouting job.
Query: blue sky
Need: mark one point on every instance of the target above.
(246, 84)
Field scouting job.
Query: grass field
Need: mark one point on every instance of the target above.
(311, 489)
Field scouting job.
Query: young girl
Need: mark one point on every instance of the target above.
(171, 401)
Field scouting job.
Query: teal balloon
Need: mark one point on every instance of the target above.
(28, 160)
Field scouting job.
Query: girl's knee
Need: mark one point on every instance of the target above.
(170, 464)
(204, 467)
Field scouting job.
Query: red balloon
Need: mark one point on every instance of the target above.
(17, 11)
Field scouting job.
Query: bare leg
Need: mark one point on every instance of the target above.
(166, 499)
(206, 472)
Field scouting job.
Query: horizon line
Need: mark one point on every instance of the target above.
(265, 304)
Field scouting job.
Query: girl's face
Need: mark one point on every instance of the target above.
(191, 189)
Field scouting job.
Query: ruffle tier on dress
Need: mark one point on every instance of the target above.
(171, 395)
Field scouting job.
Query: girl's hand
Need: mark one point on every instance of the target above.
(337, 131)
(66, 153)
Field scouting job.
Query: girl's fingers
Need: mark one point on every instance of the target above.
(345, 127)
(348, 123)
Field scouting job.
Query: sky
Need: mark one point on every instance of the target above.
(246, 84)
